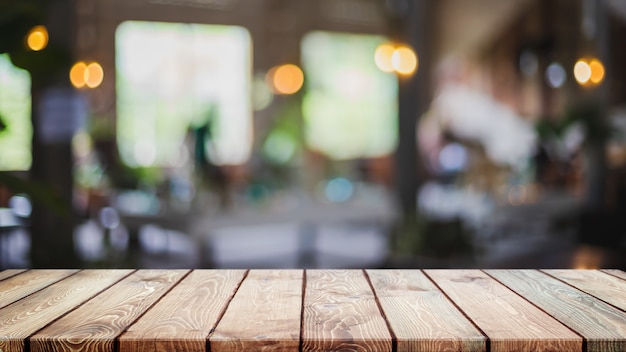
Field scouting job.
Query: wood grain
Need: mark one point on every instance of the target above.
(510, 322)
(22, 285)
(596, 283)
(603, 326)
(264, 314)
(95, 325)
(421, 316)
(183, 319)
(5, 274)
(23, 318)
(340, 313)
(615, 272)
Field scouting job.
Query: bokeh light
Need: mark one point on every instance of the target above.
(286, 79)
(555, 75)
(21, 205)
(582, 71)
(262, 96)
(82, 144)
(528, 63)
(453, 157)
(338, 190)
(94, 75)
(382, 57)
(109, 218)
(37, 38)
(90, 75)
(77, 74)
(597, 71)
(404, 60)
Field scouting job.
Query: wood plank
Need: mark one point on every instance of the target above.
(421, 316)
(596, 283)
(264, 314)
(603, 326)
(95, 325)
(20, 286)
(510, 322)
(340, 313)
(5, 274)
(183, 319)
(23, 318)
(615, 272)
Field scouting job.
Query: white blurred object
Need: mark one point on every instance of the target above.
(89, 241)
(447, 202)
(109, 218)
(507, 138)
(21, 206)
(555, 75)
(453, 157)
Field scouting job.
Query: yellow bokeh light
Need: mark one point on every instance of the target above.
(597, 71)
(582, 71)
(286, 79)
(37, 38)
(94, 75)
(77, 74)
(382, 57)
(404, 60)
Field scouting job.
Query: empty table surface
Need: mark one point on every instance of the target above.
(312, 310)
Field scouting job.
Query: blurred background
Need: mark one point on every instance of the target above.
(313, 133)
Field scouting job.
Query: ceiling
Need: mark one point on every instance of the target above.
(465, 26)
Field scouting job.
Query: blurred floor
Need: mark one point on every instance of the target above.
(319, 235)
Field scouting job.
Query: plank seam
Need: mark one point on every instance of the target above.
(41, 289)
(582, 290)
(116, 340)
(584, 339)
(14, 275)
(610, 273)
(394, 338)
(27, 339)
(223, 312)
(487, 339)
(301, 343)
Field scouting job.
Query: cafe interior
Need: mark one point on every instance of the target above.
(312, 134)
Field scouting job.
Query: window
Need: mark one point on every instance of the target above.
(15, 113)
(172, 77)
(350, 106)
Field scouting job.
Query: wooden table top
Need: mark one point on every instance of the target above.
(312, 310)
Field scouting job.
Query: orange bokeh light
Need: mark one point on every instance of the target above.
(90, 75)
(37, 38)
(597, 71)
(286, 79)
(77, 74)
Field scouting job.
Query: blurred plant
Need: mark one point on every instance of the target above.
(3, 125)
(281, 144)
(592, 116)
(38, 192)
